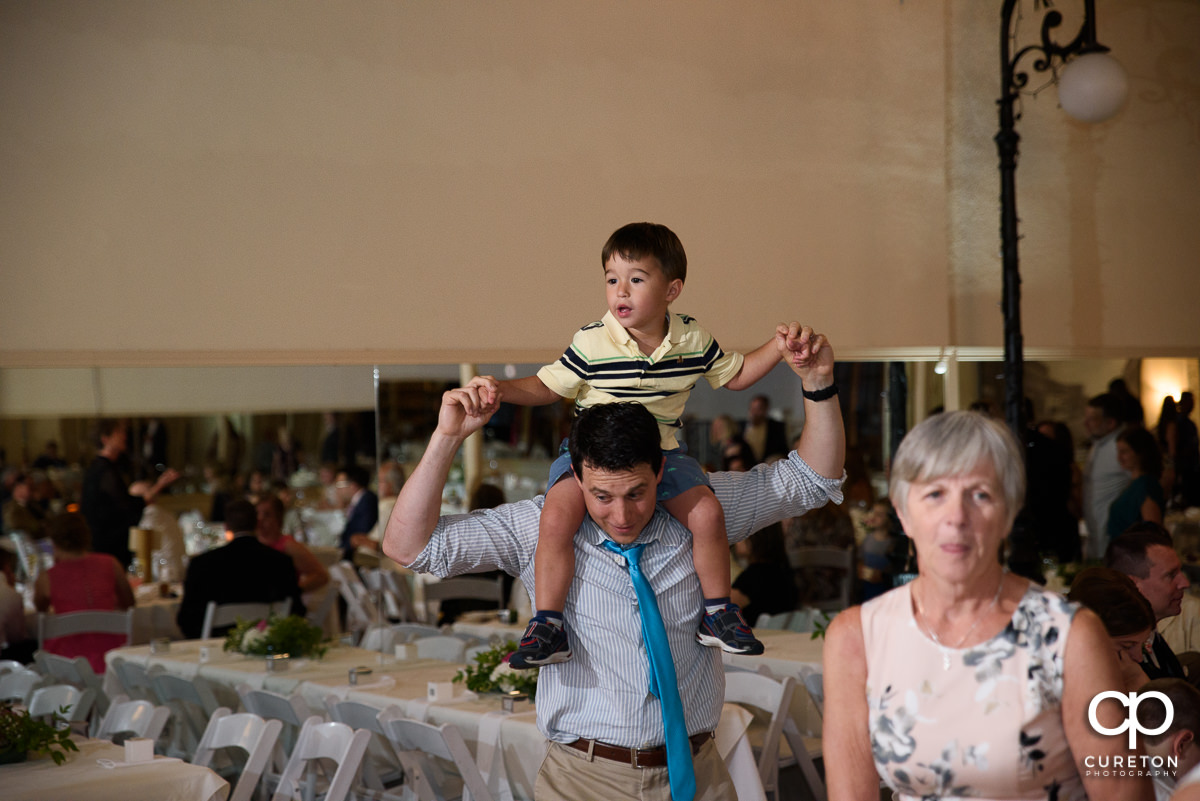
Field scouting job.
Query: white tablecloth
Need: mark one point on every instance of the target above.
(80, 777)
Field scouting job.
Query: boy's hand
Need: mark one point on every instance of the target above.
(486, 387)
(808, 354)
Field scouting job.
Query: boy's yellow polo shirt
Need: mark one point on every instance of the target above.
(605, 365)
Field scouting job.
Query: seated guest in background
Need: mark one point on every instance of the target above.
(880, 551)
(170, 552)
(22, 515)
(311, 574)
(767, 585)
(361, 505)
(49, 458)
(967, 681)
(391, 479)
(14, 638)
(1178, 741)
(1125, 613)
(1146, 554)
(243, 571)
(293, 524)
(81, 580)
(1143, 499)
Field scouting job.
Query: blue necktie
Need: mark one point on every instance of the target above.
(662, 678)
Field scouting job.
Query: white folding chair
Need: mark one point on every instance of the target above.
(91, 622)
(408, 632)
(9, 665)
(17, 685)
(443, 647)
(419, 746)
(320, 741)
(45, 702)
(360, 612)
(815, 684)
(250, 733)
(773, 700)
(77, 671)
(387, 586)
(221, 615)
(291, 710)
(132, 718)
(322, 613)
(192, 705)
(380, 770)
(134, 680)
(463, 587)
(379, 638)
(778, 621)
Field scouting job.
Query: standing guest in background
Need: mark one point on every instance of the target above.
(390, 479)
(1137, 453)
(361, 505)
(766, 436)
(106, 503)
(243, 571)
(1187, 453)
(1131, 411)
(20, 514)
(767, 585)
(170, 552)
(967, 681)
(284, 458)
(81, 580)
(1165, 433)
(1125, 613)
(1146, 554)
(154, 447)
(1103, 478)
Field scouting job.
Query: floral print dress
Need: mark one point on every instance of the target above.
(990, 725)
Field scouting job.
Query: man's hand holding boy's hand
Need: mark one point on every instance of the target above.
(486, 388)
(808, 354)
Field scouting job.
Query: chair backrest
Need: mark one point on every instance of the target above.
(319, 613)
(443, 647)
(318, 740)
(291, 710)
(133, 679)
(408, 632)
(416, 742)
(47, 701)
(379, 638)
(778, 621)
(17, 685)
(220, 615)
(246, 731)
(51, 626)
(815, 684)
(360, 613)
(841, 559)
(141, 718)
(388, 586)
(380, 758)
(9, 665)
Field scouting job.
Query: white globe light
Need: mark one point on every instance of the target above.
(1092, 88)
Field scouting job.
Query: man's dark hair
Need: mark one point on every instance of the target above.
(1114, 597)
(69, 531)
(240, 515)
(1185, 702)
(1145, 447)
(107, 426)
(637, 241)
(1109, 405)
(357, 474)
(615, 437)
(1127, 552)
(277, 507)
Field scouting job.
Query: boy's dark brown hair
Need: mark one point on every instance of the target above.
(638, 241)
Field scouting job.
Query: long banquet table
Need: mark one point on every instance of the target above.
(508, 745)
(82, 777)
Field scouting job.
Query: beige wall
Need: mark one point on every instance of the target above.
(289, 182)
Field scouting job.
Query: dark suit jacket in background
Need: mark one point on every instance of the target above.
(243, 571)
(359, 520)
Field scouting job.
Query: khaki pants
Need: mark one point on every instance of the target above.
(568, 775)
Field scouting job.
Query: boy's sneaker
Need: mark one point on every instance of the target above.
(726, 629)
(543, 644)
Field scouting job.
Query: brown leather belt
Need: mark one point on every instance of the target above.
(636, 757)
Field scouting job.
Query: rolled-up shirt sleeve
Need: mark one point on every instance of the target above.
(503, 538)
(772, 492)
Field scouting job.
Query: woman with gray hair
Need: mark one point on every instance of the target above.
(968, 681)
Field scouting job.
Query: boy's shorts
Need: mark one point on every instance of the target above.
(680, 472)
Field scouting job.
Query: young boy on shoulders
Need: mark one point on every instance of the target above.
(638, 352)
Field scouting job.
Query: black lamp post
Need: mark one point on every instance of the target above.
(1091, 88)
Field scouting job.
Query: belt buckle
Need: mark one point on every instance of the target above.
(633, 756)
